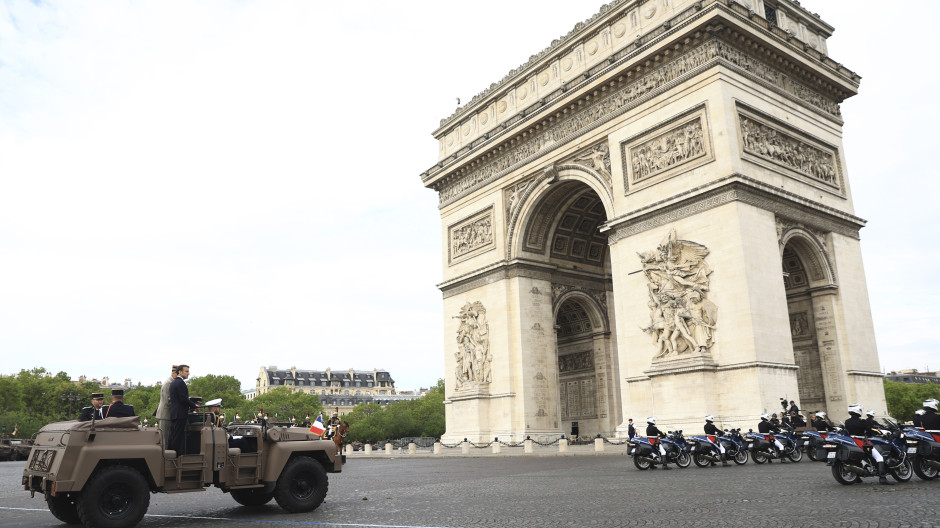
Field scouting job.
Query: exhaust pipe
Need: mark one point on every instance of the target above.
(648, 459)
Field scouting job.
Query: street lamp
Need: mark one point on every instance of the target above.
(70, 397)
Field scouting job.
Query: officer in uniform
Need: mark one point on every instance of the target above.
(855, 426)
(870, 420)
(94, 411)
(820, 423)
(766, 427)
(118, 408)
(217, 417)
(654, 432)
(796, 420)
(918, 420)
(631, 430)
(710, 429)
(931, 420)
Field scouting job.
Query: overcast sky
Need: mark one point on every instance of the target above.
(236, 184)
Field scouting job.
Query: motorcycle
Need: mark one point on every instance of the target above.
(924, 449)
(763, 449)
(704, 450)
(812, 442)
(791, 444)
(645, 450)
(735, 446)
(850, 459)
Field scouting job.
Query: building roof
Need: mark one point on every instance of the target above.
(325, 378)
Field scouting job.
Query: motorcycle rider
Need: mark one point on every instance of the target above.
(918, 420)
(653, 432)
(765, 427)
(820, 423)
(931, 420)
(857, 427)
(870, 420)
(710, 429)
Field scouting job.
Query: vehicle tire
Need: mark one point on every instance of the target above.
(842, 475)
(641, 464)
(63, 507)
(923, 470)
(684, 460)
(700, 460)
(796, 455)
(252, 496)
(903, 472)
(741, 457)
(302, 485)
(759, 457)
(114, 497)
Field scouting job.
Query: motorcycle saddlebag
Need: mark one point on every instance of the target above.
(851, 454)
(642, 450)
(929, 449)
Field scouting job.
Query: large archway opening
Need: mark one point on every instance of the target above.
(802, 277)
(562, 231)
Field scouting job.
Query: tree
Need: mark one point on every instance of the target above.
(905, 398)
(282, 403)
(420, 417)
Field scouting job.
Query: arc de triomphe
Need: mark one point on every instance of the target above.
(652, 216)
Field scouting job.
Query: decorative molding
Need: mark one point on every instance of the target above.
(758, 364)
(818, 251)
(575, 362)
(597, 160)
(628, 94)
(666, 150)
(810, 160)
(600, 296)
(735, 187)
(471, 236)
(799, 325)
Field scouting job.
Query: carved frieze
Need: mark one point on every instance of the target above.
(623, 98)
(666, 150)
(514, 196)
(471, 236)
(682, 319)
(473, 355)
(575, 362)
(799, 325)
(783, 147)
(597, 159)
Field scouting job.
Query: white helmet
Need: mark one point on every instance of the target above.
(651, 420)
(821, 414)
(870, 412)
(855, 409)
(920, 411)
(709, 418)
(765, 416)
(931, 404)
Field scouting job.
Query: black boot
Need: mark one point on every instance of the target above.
(724, 459)
(665, 464)
(882, 479)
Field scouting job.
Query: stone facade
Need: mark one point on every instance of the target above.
(652, 217)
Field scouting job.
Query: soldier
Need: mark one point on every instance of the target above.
(118, 408)
(215, 408)
(163, 408)
(94, 411)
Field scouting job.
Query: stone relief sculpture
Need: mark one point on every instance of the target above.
(471, 236)
(473, 345)
(667, 150)
(598, 159)
(515, 197)
(764, 141)
(682, 319)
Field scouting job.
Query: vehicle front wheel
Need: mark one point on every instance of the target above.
(903, 472)
(700, 460)
(641, 463)
(924, 470)
(63, 507)
(759, 457)
(796, 455)
(741, 457)
(252, 496)
(115, 497)
(684, 460)
(302, 485)
(842, 475)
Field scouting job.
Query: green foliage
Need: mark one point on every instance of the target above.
(421, 417)
(905, 398)
(281, 402)
(144, 399)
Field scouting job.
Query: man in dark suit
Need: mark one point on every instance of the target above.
(180, 405)
(118, 408)
(94, 411)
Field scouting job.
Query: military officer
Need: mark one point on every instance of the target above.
(118, 408)
(215, 407)
(930, 421)
(93, 411)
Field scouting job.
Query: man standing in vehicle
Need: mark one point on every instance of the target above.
(97, 399)
(180, 405)
(163, 408)
(118, 408)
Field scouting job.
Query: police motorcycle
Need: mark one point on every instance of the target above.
(850, 460)
(924, 448)
(791, 443)
(645, 450)
(763, 448)
(812, 443)
(735, 446)
(704, 450)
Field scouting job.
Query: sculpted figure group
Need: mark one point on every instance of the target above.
(473, 345)
(682, 319)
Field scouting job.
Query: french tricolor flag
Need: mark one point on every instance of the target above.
(317, 427)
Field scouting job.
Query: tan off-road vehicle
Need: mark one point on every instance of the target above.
(101, 473)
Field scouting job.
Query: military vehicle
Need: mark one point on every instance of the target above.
(101, 473)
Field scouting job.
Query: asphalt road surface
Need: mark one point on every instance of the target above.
(541, 491)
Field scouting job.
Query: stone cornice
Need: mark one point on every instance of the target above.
(507, 269)
(736, 187)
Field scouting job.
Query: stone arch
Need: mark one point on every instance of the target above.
(812, 253)
(595, 311)
(533, 198)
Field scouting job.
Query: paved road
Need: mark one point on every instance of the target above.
(542, 491)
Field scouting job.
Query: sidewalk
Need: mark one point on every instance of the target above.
(487, 452)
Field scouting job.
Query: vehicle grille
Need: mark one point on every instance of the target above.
(41, 460)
